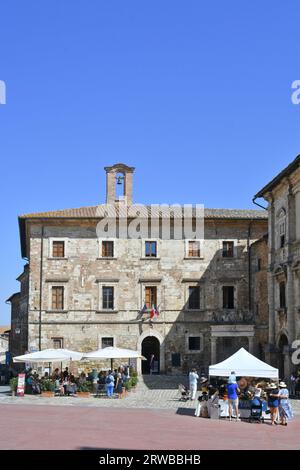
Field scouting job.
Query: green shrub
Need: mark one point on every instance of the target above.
(84, 387)
(13, 384)
(134, 380)
(47, 386)
(128, 385)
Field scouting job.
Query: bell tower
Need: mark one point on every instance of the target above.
(119, 175)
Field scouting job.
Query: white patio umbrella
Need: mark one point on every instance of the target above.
(112, 353)
(49, 356)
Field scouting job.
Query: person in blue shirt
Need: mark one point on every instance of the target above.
(233, 399)
(273, 402)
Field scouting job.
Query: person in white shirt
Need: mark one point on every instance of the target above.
(193, 379)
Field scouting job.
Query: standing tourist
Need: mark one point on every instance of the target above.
(193, 379)
(110, 382)
(273, 403)
(285, 409)
(233, 399)
(292, 385)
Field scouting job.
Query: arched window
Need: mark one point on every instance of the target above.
(281, 228)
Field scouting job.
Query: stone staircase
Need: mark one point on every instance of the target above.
(161, 382)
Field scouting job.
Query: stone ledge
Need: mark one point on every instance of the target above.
(56, 311)
(107, 311)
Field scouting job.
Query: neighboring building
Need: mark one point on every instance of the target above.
(283, 196)
(4, 343)
(86, 293)
(18, 338)
(260, 307)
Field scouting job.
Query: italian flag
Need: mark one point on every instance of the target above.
(153, 312)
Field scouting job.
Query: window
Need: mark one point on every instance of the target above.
(194, 298)
(108, 298)
(58, 249)
(58, 298)
(107, 342)
(282, 295)
(259, 264)
(281, 227)
(150, 296)
(107, 249)
(194, 343)
(228, 297)
(228, 249)
(176, 360)
(150, 249)
(58, 343)
(194, 249)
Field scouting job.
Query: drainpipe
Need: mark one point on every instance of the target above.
(41, 288)
(249, 269)
(257, 204)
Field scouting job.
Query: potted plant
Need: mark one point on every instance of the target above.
(13, 385)
(128, 385)
(134, 381)
(84, 389)
(47, 387)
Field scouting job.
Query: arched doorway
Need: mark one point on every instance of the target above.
(151, 347)
(282, 358)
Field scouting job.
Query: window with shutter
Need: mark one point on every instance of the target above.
(150, 296)
(58, 298)
(228, 249)
(107, 249)
(58, 249)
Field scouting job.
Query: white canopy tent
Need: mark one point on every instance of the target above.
(243, 364)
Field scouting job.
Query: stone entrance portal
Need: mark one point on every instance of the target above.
(151, 351)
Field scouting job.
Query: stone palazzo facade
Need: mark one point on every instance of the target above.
(283, 197)
(83, 292)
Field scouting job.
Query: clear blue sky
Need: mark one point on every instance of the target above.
(196, 95)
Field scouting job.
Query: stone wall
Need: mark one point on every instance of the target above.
(83, 272)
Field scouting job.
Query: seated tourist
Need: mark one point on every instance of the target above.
(71, 386)
(59, 388)
(82, 377)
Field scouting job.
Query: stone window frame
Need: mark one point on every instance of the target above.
(194, 335)
(58, 338)
(186, 249)
(151, 283)
(235, 295)
(143, 248)
(281, 221)
(108, 239)
(101, 337)
(187, 285)
(50, 247)
(58, 283)
(296, 193)
(235, 249)
(108, 283)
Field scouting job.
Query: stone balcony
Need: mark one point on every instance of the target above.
(233, 317)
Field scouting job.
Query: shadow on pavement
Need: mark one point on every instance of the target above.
(186, 411)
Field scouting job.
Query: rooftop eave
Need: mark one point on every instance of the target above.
(277, 180)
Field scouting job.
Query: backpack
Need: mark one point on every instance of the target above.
(108, 380)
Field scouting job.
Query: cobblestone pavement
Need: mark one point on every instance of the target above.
(152, 392)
